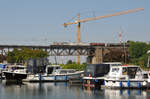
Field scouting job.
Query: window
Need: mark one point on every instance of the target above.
(115, 69)
(124, 71)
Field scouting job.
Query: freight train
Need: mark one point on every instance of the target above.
(70, 44)
(89, 44)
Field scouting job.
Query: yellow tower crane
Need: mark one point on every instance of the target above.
(78, 22)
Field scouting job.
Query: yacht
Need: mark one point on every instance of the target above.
(54, 73)
(126, 76)
(94, 73)
(15, 72)
(2, 68)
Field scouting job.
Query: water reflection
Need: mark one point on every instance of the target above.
(64, 91)
(134, 94)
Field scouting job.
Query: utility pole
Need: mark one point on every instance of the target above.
(148, 62)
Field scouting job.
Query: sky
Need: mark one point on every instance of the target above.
(39, 22)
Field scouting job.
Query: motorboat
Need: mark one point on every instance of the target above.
(54, 73)
(2, 68)
(94, 73)
(126, 76)
(15, 72)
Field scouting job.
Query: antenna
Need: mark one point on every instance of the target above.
(120, 35)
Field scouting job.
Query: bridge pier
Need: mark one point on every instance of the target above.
(97, 58)
(89, 59)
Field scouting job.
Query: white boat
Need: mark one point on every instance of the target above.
(94, 73)
(15, 72)
(2, 68)
(126, 76)
(54, 73)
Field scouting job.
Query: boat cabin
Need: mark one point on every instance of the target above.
(96, 70)
(129, 71)
(99, 70)
(50, 69)
(57, 70)
(126, 76)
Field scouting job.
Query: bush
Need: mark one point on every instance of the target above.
(73, 66)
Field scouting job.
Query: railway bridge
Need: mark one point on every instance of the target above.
(94, 51)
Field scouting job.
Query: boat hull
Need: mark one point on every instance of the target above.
(127, 84)
(51, 78)
(14, 76)
(93, 82)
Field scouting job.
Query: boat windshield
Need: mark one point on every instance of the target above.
(115, 64)
(115, 70)
(14, 68)
(131, 71)
(66, 71)
(50, 70)
(145, 76)
(89, 70)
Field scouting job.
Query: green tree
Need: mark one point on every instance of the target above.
(137, 49)
(20, 56)
(138, 52)
(74, 66)
(69, 62)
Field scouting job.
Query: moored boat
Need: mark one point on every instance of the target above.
(2, 68)
(94, 73)
(54, 73)
(126, 76)
(14, 73)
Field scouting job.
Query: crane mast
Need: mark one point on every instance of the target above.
(78, 22)
(78, 36)
(78, 29)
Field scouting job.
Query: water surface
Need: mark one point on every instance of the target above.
(64, 91)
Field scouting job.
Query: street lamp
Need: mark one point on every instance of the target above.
(148, 62)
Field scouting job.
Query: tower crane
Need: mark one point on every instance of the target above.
(78, 22)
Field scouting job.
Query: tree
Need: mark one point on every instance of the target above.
(20, 56)
(138, 52)
(73, 66)
(115, 55)
(69, 62)
(2, 58)
(137, 49)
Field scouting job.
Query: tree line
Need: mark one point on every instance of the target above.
(22, 55)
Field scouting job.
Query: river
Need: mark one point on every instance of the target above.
(64, 91)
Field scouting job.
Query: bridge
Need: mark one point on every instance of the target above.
(94, 51)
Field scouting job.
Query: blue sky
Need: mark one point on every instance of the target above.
(40, 21)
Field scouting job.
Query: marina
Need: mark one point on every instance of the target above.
(105, 75)
(74, 49)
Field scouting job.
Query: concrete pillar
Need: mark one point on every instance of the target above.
(89, 59)
(98, 57)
